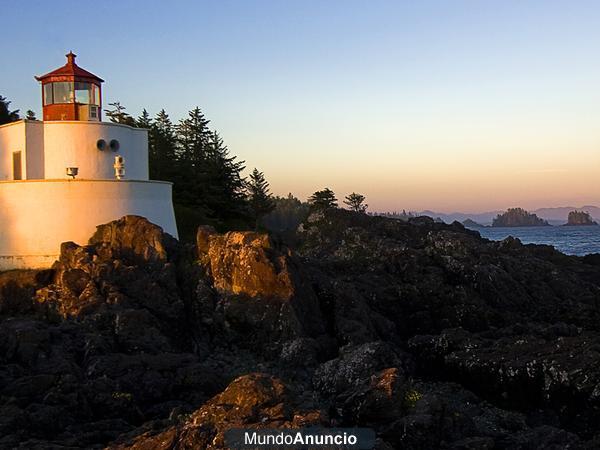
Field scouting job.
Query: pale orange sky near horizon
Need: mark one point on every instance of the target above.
(469, 164)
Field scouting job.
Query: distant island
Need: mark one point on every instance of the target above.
(580, 218)
(518, 217)
(553, 215)
(469, 223)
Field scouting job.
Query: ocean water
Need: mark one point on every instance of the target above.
(576, 240)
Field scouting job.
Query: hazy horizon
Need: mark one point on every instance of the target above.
(448, 106)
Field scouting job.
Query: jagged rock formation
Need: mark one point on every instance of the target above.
(425, 332)
(580, 218)
(255, 400)
(518, 217)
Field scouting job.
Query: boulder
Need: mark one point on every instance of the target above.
(256, 400)
(127, 262)
(246, 263)
(133, 239)
(264, 293)
(356, 364)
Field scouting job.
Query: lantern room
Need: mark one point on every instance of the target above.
(71, 93)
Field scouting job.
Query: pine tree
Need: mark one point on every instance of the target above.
(6, 115)
(162, 145)
(192, 185)
(259, 198)
(208, 177)
(30, 115)
(322, 200)
(356, 202)
(118, 114)
(192, 136)
(144, 120)
(225, 184)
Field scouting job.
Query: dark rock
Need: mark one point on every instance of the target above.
(424, 332)
(357, 364)
(133, 239)
(252, 401)
(17, 288)
(264, 293)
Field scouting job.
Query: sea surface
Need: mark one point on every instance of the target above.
(572, 240)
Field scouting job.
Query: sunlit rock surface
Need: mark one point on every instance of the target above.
(251, 401)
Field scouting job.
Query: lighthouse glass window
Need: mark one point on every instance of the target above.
(63, 92)
(86, 93)
(48, 94)
(83, 93)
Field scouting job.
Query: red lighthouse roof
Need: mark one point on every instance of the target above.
(71, 70)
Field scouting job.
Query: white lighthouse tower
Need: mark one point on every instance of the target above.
(63, 176)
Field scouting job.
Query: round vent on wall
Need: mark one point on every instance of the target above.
(114, 145)
(101, 144)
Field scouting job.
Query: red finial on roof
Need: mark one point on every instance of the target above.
(70, 58)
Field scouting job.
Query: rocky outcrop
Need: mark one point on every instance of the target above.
(17, 289)
(577, 218)
(252, 401)
(263, 288)
(246, 263)
(518, 217)
(129, 263)
(424, 332)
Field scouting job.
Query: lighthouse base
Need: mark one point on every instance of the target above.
(36, 216)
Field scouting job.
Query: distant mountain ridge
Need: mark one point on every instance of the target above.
(554, 216)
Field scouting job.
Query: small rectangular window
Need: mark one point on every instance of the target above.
(95, 95)
(48, 100)
(17, 175)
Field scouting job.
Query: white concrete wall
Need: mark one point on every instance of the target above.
(12, 139)
(73, 144)
(37, 216)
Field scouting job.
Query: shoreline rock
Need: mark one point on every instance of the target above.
(425, 332)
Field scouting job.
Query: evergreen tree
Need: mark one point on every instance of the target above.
(322, 200)
(162, 144)
(6, 115)
(259, 198)
(118, 114)
(207, 183)
(144, 120)
(192, 185)
(356, 202)
(208, 177)
(225, 184)
(30, 115)
(193, 135)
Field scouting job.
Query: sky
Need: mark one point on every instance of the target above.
(441, 105)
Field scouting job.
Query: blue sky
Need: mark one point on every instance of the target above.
(437, 104)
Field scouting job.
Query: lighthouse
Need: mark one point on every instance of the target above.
(71, 93)
(64, 175)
